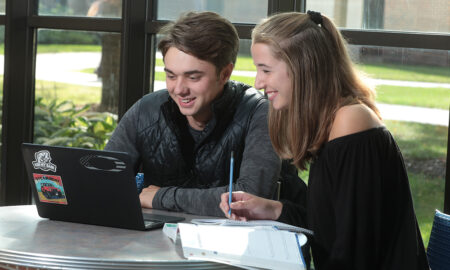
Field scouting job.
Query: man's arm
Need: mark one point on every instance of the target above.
(123, 138)
(259, 171)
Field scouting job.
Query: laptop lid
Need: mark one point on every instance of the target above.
(84, 186)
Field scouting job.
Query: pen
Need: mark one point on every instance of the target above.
(230, 190)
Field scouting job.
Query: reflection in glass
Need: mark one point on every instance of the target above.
(77, 86)
(401, 15)
(231, 9)
(91, 8)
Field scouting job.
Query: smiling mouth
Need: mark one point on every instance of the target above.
(186, 100)
(271, 95)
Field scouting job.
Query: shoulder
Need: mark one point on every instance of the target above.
(352, 119)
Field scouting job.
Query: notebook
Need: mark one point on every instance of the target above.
(87, 186)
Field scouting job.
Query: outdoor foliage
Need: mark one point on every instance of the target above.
(64, 124)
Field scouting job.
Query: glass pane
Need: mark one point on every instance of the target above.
(2, 6)
(77, 88)
(244, 71)
(401, 15)
(231, 9)
(91, 8)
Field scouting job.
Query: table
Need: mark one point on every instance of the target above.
(26, 240)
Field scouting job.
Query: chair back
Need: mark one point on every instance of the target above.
(438, 251)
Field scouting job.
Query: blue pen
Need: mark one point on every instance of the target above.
(230, 190)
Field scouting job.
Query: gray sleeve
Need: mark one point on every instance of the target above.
(259, 171)
(124, 136)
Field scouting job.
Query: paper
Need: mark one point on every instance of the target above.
(268, 223)
(246, 246)
(171, 231)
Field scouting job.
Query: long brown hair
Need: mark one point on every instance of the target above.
(323, 79)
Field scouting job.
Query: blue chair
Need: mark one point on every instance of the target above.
(438, 251)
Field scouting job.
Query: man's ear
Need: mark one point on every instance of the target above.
(225, 74)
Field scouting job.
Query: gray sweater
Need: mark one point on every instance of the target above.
(258, 173)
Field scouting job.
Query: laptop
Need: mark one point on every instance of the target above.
(87, 186)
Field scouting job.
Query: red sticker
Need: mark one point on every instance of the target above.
(50, 188)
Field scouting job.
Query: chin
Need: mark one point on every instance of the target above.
(279, 106)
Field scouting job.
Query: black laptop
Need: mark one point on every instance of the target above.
(87, 186)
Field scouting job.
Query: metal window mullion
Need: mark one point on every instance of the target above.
(76, 23)
(18, 100)
(134, 54)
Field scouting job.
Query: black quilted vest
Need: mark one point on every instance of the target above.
(169, 156)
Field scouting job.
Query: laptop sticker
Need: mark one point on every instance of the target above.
(50, 188)
(43, 161)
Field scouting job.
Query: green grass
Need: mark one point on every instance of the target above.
(80, 95)
(407, 72)
(419, 141)
(58, 48)
(88, 70)
(428, 195)
(414, 96)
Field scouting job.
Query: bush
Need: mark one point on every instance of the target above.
(67, 37)
(64, 124)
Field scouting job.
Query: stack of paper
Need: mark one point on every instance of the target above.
(262, 247)
(252, 223)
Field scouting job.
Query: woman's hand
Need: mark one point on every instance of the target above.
(246, 206)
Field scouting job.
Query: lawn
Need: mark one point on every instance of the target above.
(80, 95)
(414, 96)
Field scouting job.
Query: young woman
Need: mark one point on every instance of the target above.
(359, 201)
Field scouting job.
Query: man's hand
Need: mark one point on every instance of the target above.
(246, 206)
(147, 196)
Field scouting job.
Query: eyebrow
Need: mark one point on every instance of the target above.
(190, 72)
(262, 65)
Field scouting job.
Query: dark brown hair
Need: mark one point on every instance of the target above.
(205, 35)
(323, 79)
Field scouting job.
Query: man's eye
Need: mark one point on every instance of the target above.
(194, 78)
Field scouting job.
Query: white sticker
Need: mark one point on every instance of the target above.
(43, 161)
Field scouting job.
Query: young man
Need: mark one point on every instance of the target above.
(182, 137)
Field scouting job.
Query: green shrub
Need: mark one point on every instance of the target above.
(64, 124)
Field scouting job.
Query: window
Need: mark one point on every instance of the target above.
(230, 9)
(400, 15)
(90, 8)
(76, 88)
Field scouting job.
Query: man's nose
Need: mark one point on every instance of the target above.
(180, 87)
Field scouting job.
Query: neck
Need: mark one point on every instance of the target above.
(199, 123)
